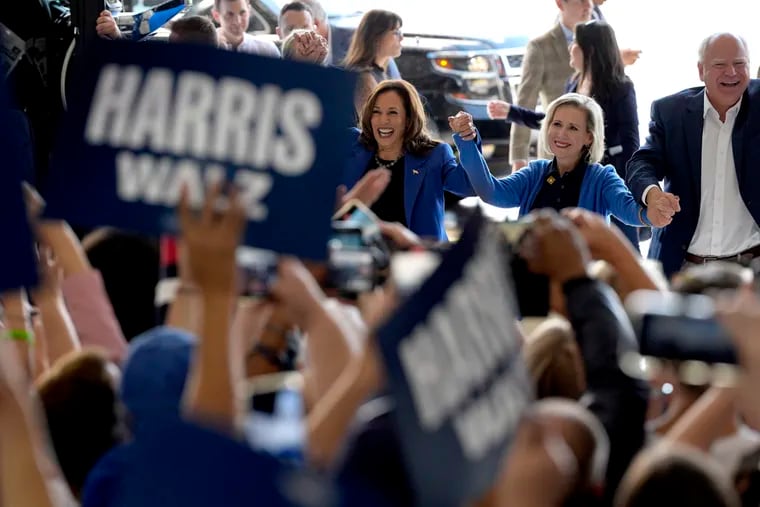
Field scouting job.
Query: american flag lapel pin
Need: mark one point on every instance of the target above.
(415, 171)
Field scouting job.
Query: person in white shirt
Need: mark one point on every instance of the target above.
(703, 143)
(233, 17)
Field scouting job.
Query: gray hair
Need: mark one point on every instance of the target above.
(594, 121)
(316, 9)
(713, 37)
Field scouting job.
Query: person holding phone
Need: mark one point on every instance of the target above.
(392, 136)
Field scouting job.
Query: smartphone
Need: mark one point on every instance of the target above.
(358, 214)
(531, 289)
(257, 271)
(679, 327)
(352, 271)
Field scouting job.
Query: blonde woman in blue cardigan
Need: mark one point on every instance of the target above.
(573, 132)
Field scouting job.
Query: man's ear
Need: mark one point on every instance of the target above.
(701, 68)
(215, 15)
(278, 31)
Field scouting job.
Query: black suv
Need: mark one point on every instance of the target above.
(455, 63)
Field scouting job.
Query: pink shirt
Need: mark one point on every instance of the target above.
(93, 316)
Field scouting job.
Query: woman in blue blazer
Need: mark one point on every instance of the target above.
(573, 131)
(393, 137)
(600, 74)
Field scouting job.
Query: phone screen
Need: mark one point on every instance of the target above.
(257, 271)
(352, 271)
(359, 216)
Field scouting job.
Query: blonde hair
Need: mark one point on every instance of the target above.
(549, 356)
(594, 124)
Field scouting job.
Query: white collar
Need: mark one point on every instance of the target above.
(732, 111)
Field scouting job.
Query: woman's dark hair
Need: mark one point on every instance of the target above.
(84, 415)
(417, 141)
(363, 49)
(601, 59)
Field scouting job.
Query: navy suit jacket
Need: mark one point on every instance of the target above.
(425, 179)
(673, 152)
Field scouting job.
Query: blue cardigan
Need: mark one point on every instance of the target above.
(425, 179)
(602, 190)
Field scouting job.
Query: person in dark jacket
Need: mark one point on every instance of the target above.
(603, 334)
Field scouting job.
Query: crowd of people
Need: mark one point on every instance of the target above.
(92, 373)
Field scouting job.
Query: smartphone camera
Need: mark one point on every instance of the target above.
(352, 266)
(257, 270)
(531, 289)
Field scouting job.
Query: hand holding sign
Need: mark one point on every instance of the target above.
(211, 239)
(554, 247)
(151, 119)
(453, 365)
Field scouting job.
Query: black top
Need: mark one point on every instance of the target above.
(390, 205)
(559, 192)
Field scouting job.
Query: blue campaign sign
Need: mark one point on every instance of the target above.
(18, 264)
(152, 118)
(154, 18)
(455, 371)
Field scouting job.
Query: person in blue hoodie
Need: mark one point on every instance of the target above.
(573, 131)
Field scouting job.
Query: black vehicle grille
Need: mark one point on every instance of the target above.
(413, 65)
(515, 61)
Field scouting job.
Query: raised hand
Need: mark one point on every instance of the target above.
(661, 207)
(211, 238)
(310, 47)
(463, 125)
(601, 238)
(498, 109)
(297, 289)
(630, 56)
(400, 236)
(368, 189)
(106, 26)
(554, 247)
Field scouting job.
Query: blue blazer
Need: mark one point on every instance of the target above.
(602, 190)
(621, 124)
(425, 179)
(673, 152)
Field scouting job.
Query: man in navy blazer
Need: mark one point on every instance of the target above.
(705, 144)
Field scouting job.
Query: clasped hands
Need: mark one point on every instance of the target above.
(661, 207)
(463, 125)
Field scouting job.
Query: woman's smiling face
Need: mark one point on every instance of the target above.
(389, 120)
